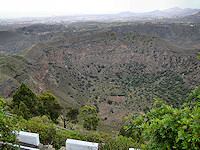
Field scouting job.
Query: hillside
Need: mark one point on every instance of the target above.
(21, 37)
(117, 73)
(182, 35)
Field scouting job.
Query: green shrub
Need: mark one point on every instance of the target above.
(7, 126)
(195, 95)
(166, 127)
(118, 143)
(46, 129)
(57, 137)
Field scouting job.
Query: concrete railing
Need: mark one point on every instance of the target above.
(80, 145)
(28, 138)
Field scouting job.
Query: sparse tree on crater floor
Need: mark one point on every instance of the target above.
(90, 116)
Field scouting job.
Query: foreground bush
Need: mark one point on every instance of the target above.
(118, 143)
(7, 127)
(166, 127)
(170, 128)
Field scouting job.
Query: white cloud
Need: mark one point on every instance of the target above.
(23, 8)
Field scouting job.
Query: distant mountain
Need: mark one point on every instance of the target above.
(177, 12)
(180, 12)
(172, 12)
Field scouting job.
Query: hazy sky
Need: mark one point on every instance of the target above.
(30, 8)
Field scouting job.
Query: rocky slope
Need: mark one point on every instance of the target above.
(16, 39)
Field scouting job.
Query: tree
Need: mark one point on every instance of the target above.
(72, 115)
(90, 116)
(91, 122)
(63, 115)
(7, 127)
(25, 95)
(49, 105)
(69, 115)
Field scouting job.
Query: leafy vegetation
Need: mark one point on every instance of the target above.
(165, 127)
(198, 56)
(194, 96)
(8, 128)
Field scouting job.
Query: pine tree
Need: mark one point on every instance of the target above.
(24, 111)
(25, 95)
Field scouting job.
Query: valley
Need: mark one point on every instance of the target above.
(116, 67)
